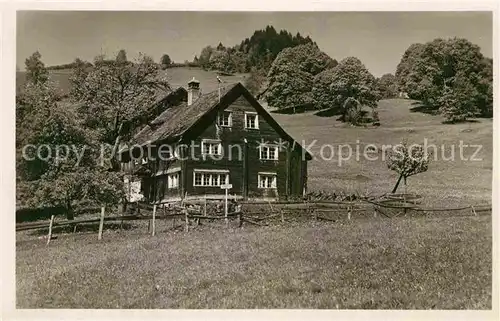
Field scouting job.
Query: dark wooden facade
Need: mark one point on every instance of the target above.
(240, 158)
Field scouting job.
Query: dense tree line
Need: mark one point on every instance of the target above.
(258, 51)
(449, 76)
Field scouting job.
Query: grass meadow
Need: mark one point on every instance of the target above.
(420, 263)
(446, 183)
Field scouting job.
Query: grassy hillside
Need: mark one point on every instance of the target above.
(176, 76)
(446, 183)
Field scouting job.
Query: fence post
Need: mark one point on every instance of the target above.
(50, 229)
(186, 228)
(101, 224)
(154, 216)
(282, 216)
(473, 210)
(205, 206)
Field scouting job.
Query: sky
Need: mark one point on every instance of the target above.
(378, 39)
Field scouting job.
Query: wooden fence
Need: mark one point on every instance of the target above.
(282, 211)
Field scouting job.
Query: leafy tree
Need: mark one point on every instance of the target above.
(387, 86)
(56, 176)
(292, 73)
(221, 60)
(484, 86)
(238, 60)
(204, 58)
(427, 71)
(79, 73)
(406, 65)
(289, 87)
(121, 57)
(458, 102)
(324, 97)
(165, 61)
(308, 58)
(35, 69)
(345, 84)
(407, 160)
(114, 96)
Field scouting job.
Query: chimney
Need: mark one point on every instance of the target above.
(193, 91)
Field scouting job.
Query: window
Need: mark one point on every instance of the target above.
(267, 180)
(251, 120)
(173, 180)
(211, 147)
(225, 119)
(268, 152)
(210, 178)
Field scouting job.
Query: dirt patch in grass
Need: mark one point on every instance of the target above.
(418, 263)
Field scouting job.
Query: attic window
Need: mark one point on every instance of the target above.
(251, 120)
(225, 119)
(268, 152)
(211, 147)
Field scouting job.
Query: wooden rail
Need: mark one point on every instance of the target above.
(312, 209)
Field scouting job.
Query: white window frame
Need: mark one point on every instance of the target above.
(269, 176)
(247, 113)
(211, 142)
(269, 147)
(220, 177)
(220, 119)
(173, 180)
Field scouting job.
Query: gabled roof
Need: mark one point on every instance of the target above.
(179, 121)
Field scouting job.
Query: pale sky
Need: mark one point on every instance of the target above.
(379, 39)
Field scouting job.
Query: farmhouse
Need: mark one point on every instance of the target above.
(221, 137)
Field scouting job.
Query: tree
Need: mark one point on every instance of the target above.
(292, 73)
(324, 97)
(348, 85)
(406, 65)
(407, 161)
(165, 61)
(121, 57)
(290, 87)
(484, 98)
(56, 175)
(238, 60)
(458, 101)
(431, 71)
(221, 60)
(78, 75)
(387, 86)
(35, 69)
(204, 58)
(113, 96)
